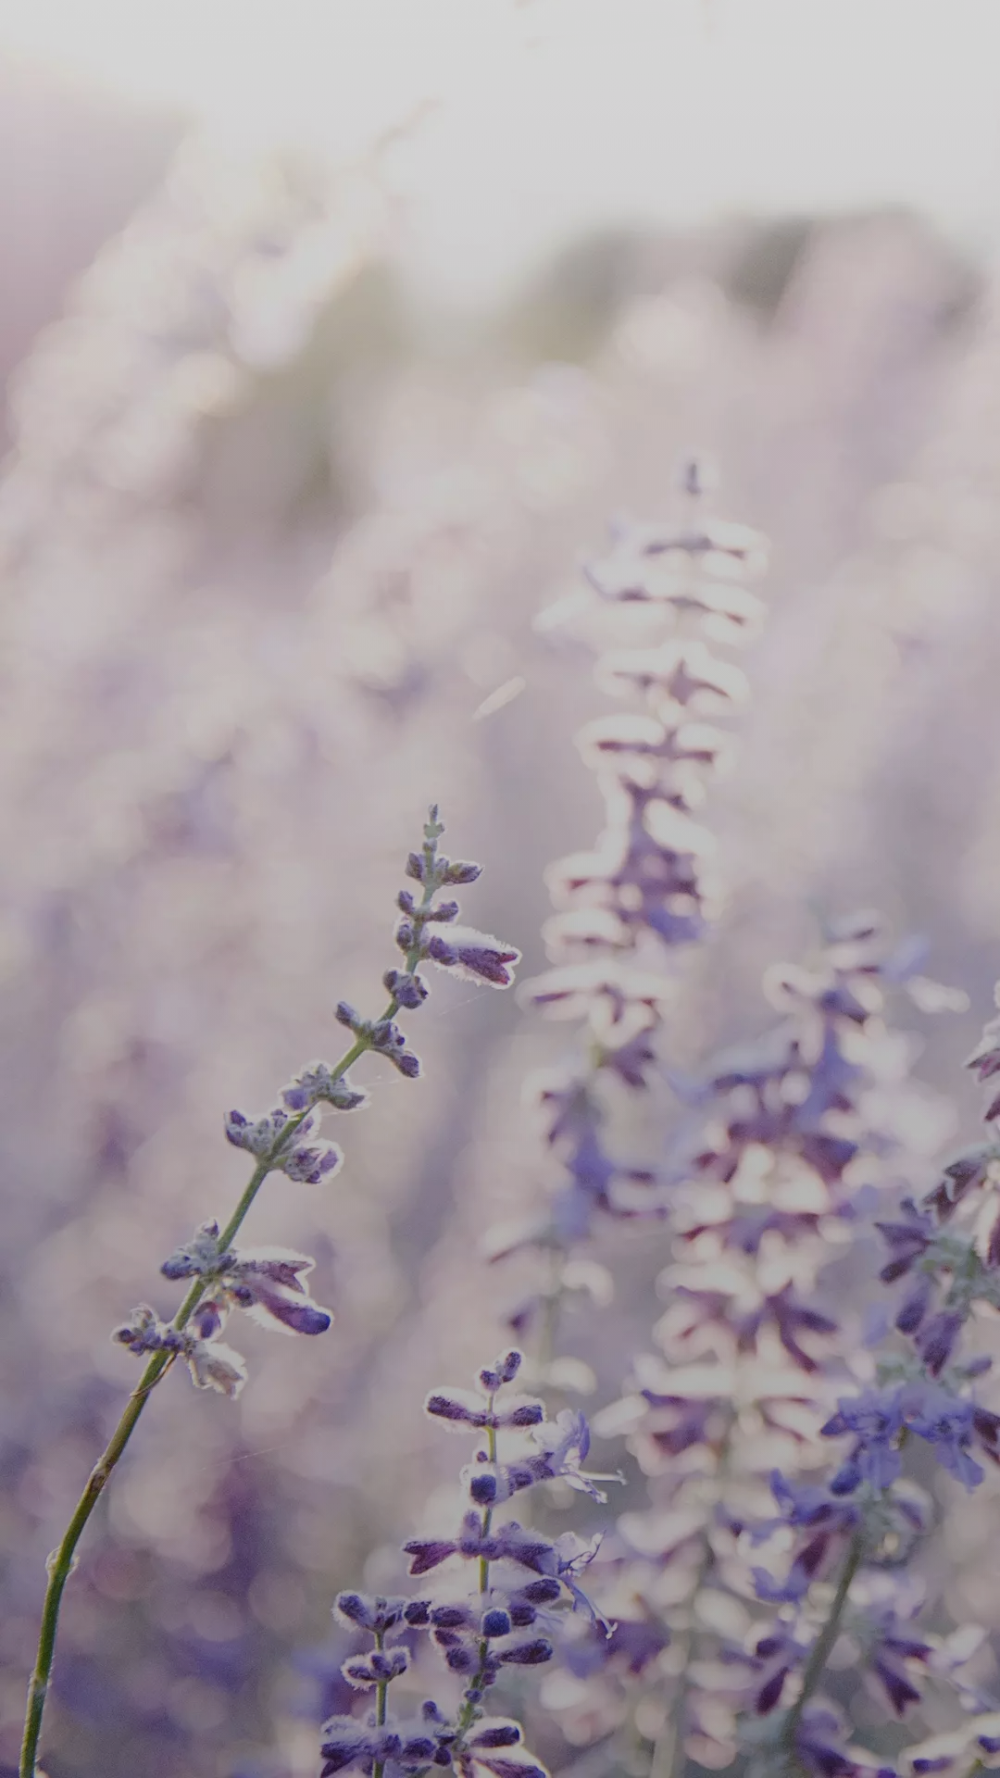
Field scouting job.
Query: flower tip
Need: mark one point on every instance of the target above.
(476, 956)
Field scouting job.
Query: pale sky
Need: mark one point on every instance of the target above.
(555, 115)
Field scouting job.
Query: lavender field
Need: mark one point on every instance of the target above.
(515, 776)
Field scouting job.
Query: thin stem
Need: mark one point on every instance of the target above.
(380, 1695)
(491, 1447)
(550, 1314)
(468, 1709)
(670, 1741)
(823, 1645)
(62, 1561)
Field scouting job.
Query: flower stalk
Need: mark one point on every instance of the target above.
(269, 1282)
(507, 1619)
(822, 1648)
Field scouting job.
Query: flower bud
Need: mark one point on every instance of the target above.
(309, 1163)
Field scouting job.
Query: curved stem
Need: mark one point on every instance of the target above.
(823, 1646)
(61, 1562)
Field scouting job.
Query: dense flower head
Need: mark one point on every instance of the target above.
(789, 1143)
(507, 1615)
(492, 1745)
(787, 1148)
(644, 888)
(855, 1531)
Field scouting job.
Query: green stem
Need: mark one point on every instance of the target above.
(468, 1709)
(823, 1646)
(62, 1561)
(380, 1709)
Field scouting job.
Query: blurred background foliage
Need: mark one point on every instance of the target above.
(274, 530)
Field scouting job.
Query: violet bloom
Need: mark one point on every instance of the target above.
(505, 1618)
(875, 1421)
(953, 1426)
(475, 956)
(907, 1239)
(774, 1656)
(820, 1749)
(563, 1443)
(829, 1522)
(892, 1651)
(266, 1282)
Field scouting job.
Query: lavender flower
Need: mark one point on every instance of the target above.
(267, 1283)
(860, 1531)
(644, 887)
(505, 1617)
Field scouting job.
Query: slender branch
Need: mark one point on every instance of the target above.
(823, 1646)
(380, 1702)
(668, 1749)
(552, 1304)
(467, 1716)
(62, 1561)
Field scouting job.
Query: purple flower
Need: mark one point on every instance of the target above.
(564, 1446)
(907, 1240)
(937, 1338)
(304, 1159)
(346, 1742)
(475, 956)
(953, 1425)
(428, 1553)
(875, 1421)
(378, 1667)
(782, 1309)
(773, 1657)
(820, 1751)
(565, 1443)
(212, 1365)
(893, 1646)
(912, 1311)
(830, 1521)
(370, 1612)
(196, 1257)
(317, 1085)
(386, 1039)
(259, 1135)
(581, 988)
(311, 1162)
(527, 1654)
(985, 1058)
(460, 1409)
(266, 1282)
